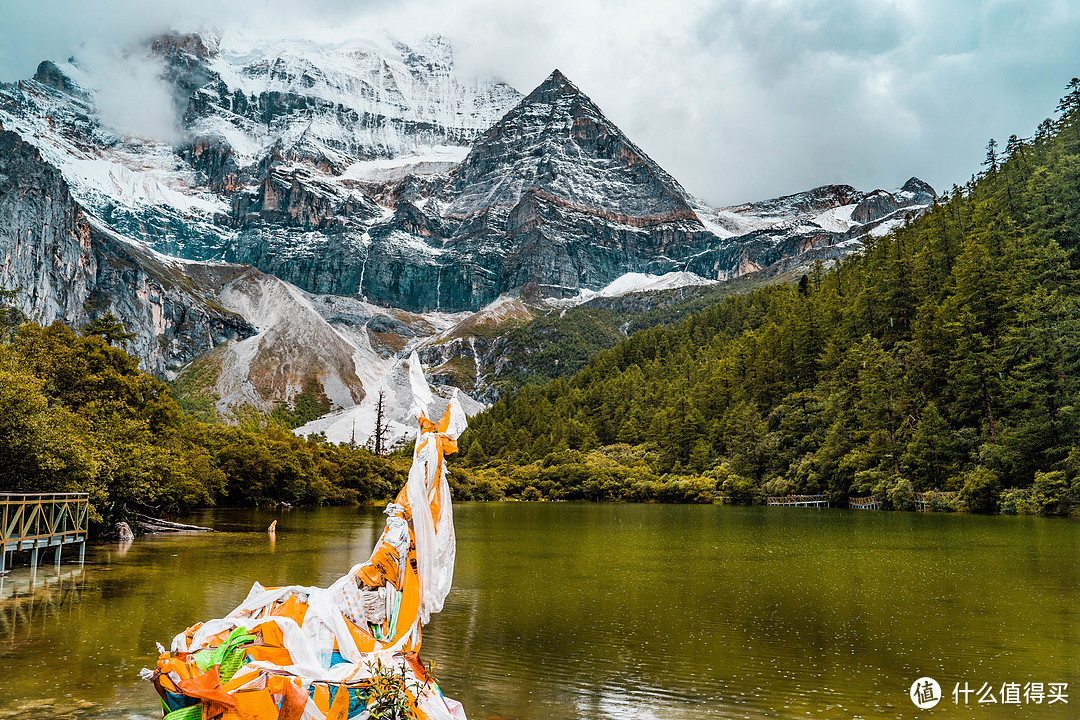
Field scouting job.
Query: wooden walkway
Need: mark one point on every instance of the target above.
(924, 502)
(798, 501)
(38, 521)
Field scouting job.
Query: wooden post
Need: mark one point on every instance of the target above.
(3, 558)
(33, 563)
(82, 553)
(56, 557)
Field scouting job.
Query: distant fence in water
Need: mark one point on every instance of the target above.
(863, 503)
(930, 501)
(818, 500)
(36, 521)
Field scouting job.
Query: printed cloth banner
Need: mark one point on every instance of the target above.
(347, 651)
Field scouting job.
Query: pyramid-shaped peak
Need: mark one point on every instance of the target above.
(557, 79)
(557, 142)
(556, 85)
(555, 104)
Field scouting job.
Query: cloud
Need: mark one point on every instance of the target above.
(130, 94)
(738, 99)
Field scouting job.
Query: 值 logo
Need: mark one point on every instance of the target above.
(925, 693)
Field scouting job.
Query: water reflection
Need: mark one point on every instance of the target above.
(607, 611)
(30, 600)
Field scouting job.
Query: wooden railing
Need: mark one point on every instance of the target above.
(799, 500)
(32, 521)
(863, 503)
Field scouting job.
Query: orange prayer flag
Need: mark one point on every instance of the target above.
(293, 702)
(292, 608)
(255, 705)
(207, 687)
(240, 679)
(339, 709)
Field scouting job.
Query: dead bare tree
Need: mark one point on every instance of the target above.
(379, 437)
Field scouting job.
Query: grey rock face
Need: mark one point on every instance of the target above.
(296, 199)
(67, 266)
(875, 206)
(919, 191)
(213, 158)
(48, 74)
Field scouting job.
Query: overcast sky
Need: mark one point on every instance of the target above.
(740, 100)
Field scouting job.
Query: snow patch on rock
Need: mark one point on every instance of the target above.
(634, 282)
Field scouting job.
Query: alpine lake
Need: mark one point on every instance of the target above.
(567, 610)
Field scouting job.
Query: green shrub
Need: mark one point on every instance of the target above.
(980, 490)
(1050, 493)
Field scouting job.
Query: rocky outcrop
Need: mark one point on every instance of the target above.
(48, 74)
(875, 206)
(294, 198)
(66, 265)
(294, 348)
(918, 192)
(879, 204)
(214, 160)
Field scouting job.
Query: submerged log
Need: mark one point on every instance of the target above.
(151, 524)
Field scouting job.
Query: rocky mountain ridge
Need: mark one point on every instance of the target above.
(370, 169)
(325, 209)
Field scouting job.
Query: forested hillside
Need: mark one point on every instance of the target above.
(559, 343)
(77, 415)
(943, 356)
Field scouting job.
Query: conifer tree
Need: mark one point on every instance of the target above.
(109, 328)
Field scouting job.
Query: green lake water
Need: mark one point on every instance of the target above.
(563, 610)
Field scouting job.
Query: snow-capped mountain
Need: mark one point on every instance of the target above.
(249, 113)
(334, 106)
(552, 195)
(792, 231)
(365, 182)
